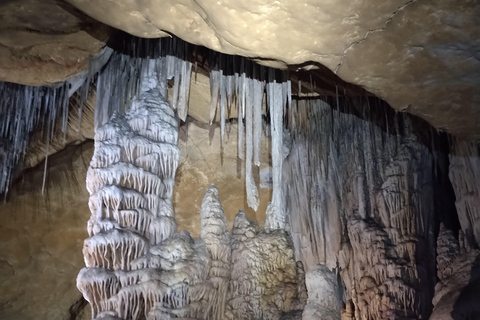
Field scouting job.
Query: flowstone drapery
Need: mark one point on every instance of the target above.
(464, 174)
(360, 199)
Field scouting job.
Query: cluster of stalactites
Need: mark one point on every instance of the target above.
(235, 80)
(22, 109)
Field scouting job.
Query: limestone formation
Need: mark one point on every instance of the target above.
(130, 181)
(360, 198)
(265, 277)
(48, 42)
(355, 186)
(216, 236)
(138, 266)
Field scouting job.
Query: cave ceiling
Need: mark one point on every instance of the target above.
(422, 57)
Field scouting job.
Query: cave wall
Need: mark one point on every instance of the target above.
(41, 238)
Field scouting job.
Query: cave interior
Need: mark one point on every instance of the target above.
(214, 162)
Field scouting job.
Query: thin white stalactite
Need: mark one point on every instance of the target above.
(259, 88)
(223, 107)
(253, 199)
(277, 99)
(23, 110)
(215, 79)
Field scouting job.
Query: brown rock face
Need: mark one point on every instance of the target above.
(45, 42)
(420, 57)
(41, 238)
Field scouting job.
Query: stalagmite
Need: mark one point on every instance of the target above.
(216, 236)
(324, 294)
(264, 273)
(130, 181)
(458, 270)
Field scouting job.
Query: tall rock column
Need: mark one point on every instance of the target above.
(130, 181)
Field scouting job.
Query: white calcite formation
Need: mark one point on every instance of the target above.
(130, 181)
(265, 277)
(122, 80)
(359, 199)
(464, 174)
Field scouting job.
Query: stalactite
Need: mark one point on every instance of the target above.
(249, 81)
(121, 81)
(277, 101)
(23, 110)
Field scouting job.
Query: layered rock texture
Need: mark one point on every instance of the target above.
(41, 239)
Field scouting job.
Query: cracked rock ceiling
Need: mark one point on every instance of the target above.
(421, 56)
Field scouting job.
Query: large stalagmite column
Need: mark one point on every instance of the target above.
(130, 181)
